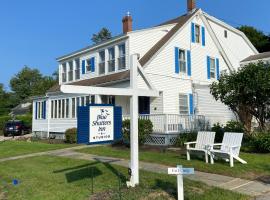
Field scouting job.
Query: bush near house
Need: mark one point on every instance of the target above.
(3, 120)
(71, 135)
(185, 137)
(258, 143)
(145, 127)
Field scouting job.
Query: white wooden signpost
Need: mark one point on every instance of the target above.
(180, 171)
(133, 92)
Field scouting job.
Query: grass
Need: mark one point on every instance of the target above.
(258, 164)
(53, 178)
(16, 148)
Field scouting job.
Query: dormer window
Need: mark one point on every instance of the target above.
(122, 57)
(111, 61)
(64, 72)
(88, 65)
(77, 69)
(197, 33)
(70, 72)
(102, 62)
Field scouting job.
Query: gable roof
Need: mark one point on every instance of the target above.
(257, 57)
(181, 21)
(107, 79)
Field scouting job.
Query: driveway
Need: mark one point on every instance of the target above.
(27, 136)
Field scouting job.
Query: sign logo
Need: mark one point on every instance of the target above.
(101, 124)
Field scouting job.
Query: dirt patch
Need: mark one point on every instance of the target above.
(264, 179)
(158, 195)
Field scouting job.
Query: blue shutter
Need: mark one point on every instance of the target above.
(44, 111)
(177, 69)
(189, 63)
(191, 110)
(208, 67)
(203, 36)
(93, 64)
(83, 67)
(217, 67)
(36, 110)
(193, 32)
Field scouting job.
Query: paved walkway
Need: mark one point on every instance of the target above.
(253, 188)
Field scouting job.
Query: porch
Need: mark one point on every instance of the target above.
(167, 127)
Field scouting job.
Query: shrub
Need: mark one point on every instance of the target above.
(3, 120)
(219, 132)
(260, 142)
(231, 126)
(145, 127)
(71, 135)
(27, 119)
(234, 126)
(185, 137)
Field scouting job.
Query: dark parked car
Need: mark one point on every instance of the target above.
(15, 128)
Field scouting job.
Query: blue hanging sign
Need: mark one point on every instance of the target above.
(99, 123)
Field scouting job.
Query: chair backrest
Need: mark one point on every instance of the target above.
(204, 138)
(232, 139)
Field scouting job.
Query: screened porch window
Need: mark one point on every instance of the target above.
(77, 69)
(64, 72)
(70, 72)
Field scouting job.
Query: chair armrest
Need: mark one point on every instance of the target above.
(211, 146)
(188, 143)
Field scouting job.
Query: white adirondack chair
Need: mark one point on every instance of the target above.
(229, 148)
(204, 139)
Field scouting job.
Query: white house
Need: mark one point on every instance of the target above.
(181, 57)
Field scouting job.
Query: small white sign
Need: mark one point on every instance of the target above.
(101, 123)
(174, 171)
(183, 171)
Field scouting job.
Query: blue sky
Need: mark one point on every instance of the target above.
(35, 32)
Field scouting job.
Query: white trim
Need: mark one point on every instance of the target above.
(223, 24)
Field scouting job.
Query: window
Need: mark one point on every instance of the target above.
(64, 72)
(63, 108)
(88, 65)
(73, 109)
(70, 72)
(55, 109)
(197, 33)
(67, 108)
(77, 104)
(102, 62)
(183, 104)
(111, 61)
(93, 99)
(59, 109)
(87, 100)
(77, 69)
(111, 100)
(52, 109)
(182, 61)
(212, 68)
(225, 33)
(122, 57)
(82, 101)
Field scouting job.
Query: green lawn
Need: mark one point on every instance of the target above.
(15, 148)
(49, 178)
(258, 164)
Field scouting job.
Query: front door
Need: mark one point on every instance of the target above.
(144, 105)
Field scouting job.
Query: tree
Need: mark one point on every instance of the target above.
(257, 38)
(103, 35)
(7, 101)
(246, 92)
(30, 82)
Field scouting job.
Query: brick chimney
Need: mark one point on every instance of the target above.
(127, 23)
(191, 5)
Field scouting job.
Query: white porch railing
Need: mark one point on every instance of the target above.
(173, 123)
